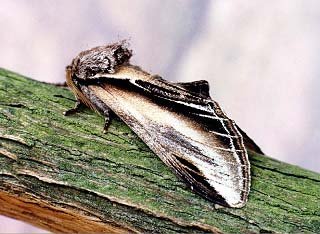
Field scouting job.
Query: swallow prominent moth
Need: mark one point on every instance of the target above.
(179, 122)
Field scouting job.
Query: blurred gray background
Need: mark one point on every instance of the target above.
(262, 58)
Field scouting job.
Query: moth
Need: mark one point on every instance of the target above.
(179, 122)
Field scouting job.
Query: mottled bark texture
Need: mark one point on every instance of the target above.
(64, 175)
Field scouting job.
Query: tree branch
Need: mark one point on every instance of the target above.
(64, 175)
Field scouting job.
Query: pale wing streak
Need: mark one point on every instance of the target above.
(206, 107)
(214, 147)
(214, 178)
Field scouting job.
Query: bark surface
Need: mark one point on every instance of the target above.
(64, 175)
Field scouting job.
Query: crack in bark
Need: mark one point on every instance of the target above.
(293, 190)
(249, 222)
(64, 97)
(17, 105)
(275, 198)
(287, 173)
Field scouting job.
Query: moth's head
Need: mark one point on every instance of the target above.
(73, 84)
(101, 59)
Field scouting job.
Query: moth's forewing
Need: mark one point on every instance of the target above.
(213, 163)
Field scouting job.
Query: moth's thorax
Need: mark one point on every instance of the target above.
(102, 59)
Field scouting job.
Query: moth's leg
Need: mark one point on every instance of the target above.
(103, 110)
(75, 109)
(107, 119)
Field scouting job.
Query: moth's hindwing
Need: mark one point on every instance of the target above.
(188, 131)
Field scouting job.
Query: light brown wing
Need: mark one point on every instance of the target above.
(208, 161)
